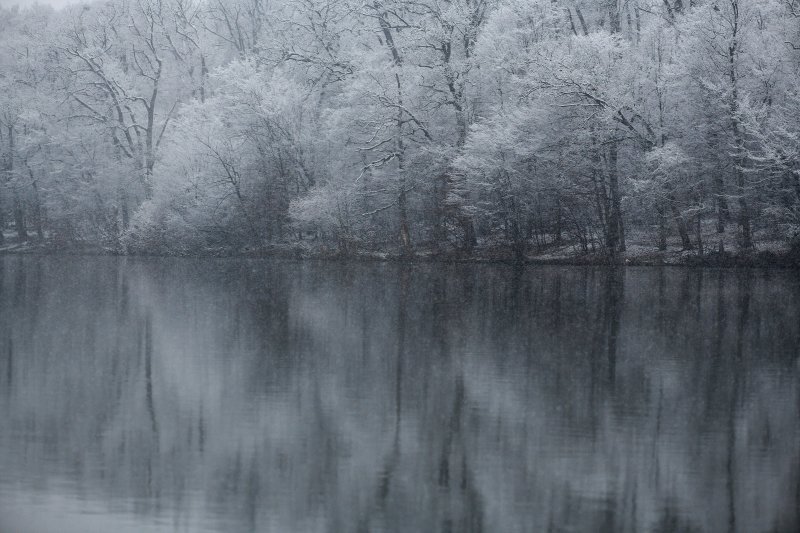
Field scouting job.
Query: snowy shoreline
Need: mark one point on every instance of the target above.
(762, 257)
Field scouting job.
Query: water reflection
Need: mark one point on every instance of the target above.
(222, 395)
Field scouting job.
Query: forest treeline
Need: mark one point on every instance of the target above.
(403, 126)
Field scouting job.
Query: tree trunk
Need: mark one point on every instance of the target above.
(662, 227)
(744, 208)
(19, 218)
(584, 28)
(19, 206)
(517, 241)
(744, 213)
(458, 101)
(464, 220)
(468, 227)
(686, 242)
(125, 215)
(402, 199)
(559, 222)
(614, 18)
(37, 208)
(614, 220)
(2, 207)
(722, 204)
(699, 233)
(440, 217)
(203, 76)
(405, 235)
(150, 140)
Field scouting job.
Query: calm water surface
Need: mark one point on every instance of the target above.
(236, 396)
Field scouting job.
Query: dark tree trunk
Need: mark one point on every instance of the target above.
(405, 235)
(744, 208)
(584, 28)
(19, 206)
(19, 218)
(722, 204)
(38, 211)
(2, 206)
(699, 233)
(559, 222)
(125, 215)
(744, 214)
(402, 199)
(686, 242)
(468, 227)
(203, 76)
(614, 219)
(2, 214)
(662, 227)
(439, 223)
(4, 176)
(517, 241)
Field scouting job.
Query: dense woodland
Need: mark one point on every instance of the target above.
(402, 126)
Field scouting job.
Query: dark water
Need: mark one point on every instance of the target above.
(236, 396)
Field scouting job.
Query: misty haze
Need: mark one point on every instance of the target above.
(400, 265)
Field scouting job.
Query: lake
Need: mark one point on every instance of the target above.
(230, 395)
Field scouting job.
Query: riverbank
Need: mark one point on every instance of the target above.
(764, 254)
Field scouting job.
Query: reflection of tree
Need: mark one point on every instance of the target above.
(613, 300)
(461, 497)
(299, 396)
(603, 350)
(743, 306)
(390, 463)
(147, 350)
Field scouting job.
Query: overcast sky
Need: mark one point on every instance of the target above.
(54, 3)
